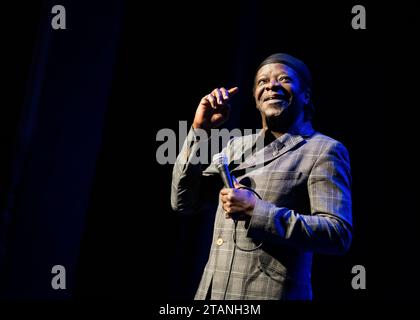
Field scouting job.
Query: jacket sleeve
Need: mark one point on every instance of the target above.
(328, 228)
(188, 171)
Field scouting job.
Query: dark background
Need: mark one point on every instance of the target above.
(79, 181)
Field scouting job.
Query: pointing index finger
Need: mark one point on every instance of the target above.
(233, 91)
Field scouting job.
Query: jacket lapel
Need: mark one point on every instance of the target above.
(275, 149)
(270, 152)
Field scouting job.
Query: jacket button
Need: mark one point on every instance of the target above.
(219, 241)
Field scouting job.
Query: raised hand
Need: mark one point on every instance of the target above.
(214, 109)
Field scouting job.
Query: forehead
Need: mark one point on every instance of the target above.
(275, 69)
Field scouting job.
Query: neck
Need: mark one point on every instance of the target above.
(277, 131)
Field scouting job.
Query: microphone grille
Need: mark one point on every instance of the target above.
(220, 159)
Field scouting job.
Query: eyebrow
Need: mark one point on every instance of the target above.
(283, 73)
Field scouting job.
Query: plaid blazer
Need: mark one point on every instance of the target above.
(304, 182)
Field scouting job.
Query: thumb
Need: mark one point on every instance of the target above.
(235, 182)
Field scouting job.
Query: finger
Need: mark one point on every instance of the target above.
(218, 95)
(235, 182)
(226, 212)
(228, 208)
(212, 101)
(234, 213)
(225, 93)
(227, 197)
(205, 101)
(224, 198)
(233, 91)
(231, 212)
(225, 191)
(231, 207)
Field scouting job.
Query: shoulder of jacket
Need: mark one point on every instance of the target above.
(324, 143)
(318, 137)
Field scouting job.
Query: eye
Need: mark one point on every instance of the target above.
(261, 82)
(285, 79)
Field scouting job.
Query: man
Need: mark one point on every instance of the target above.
(297, 198)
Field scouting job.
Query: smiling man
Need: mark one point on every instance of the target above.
(282, 92)
(292, 197)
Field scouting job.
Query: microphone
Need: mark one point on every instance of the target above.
(220, 161)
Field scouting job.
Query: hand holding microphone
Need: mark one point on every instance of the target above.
(235, 200)
(220, 160)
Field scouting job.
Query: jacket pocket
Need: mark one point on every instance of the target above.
(283, 286)
(273, 268)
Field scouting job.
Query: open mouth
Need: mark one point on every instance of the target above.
(276, 98)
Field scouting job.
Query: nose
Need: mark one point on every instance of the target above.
(272, 85)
